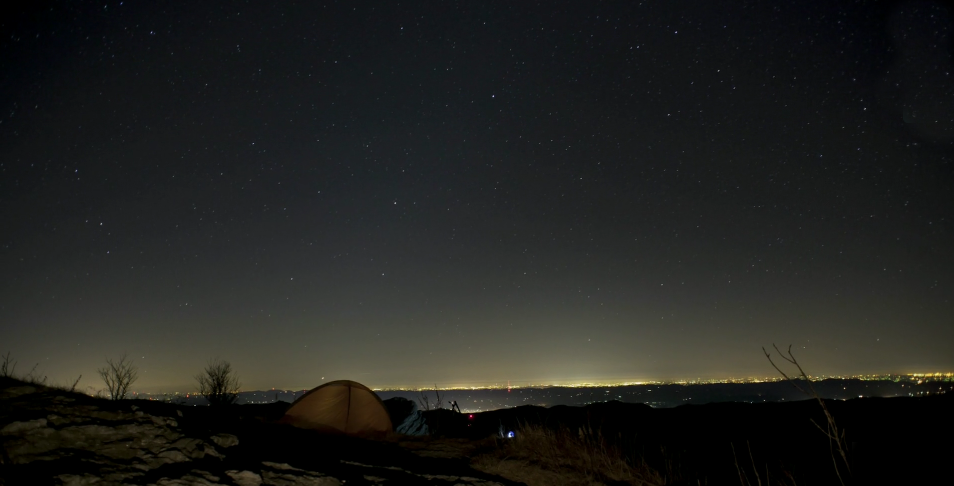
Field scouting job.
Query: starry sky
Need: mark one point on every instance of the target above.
(469, 193)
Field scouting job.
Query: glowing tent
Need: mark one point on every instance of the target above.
(342, 406)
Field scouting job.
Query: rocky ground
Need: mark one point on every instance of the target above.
(51, 436)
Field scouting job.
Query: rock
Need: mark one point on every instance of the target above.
(245, 478)
(23, 427)
(57, 421)
(173, 456)
(74, 480)
(187, 480)
(398, 409)
(16, 391)
(281, 479)
(225, 440)
(80, 440)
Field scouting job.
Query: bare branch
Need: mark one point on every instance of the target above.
(73, 388)
(425, 404)
(8, 366)
(119, 376)
(787, 378)
(33, 377)
(440, 400)
(836, 439)
(754, 469)
(218, 383)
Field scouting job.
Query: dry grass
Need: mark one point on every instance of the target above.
(8, 368)
(541, 456)
(838, 445)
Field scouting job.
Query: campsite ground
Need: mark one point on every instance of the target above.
(47, 434)
(537, 458)
(902, 440)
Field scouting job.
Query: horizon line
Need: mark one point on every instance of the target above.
(597, 384)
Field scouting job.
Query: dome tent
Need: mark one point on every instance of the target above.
(343, 406)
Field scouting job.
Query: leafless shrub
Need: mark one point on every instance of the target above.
(33, 377)
(73, 387)
(8, 366)
(836, 438)
(218, 383)
(426, 405)
(119, 376)
(743, 472)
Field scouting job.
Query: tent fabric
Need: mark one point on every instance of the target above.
(342, 406)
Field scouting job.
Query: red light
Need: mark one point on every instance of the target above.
(470, 417)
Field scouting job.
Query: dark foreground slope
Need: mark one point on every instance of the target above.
(50, 436)
(890, 440)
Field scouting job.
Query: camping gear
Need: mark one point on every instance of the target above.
(343, 407)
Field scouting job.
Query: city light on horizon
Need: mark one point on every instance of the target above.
(912, 377)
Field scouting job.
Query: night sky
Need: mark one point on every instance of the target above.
(466, 193)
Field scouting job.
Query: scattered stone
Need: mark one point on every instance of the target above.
(245, 478)
(23, 427)
(225, 440)
(58, 437)
(17, 391)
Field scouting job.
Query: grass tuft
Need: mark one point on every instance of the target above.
(540, 456)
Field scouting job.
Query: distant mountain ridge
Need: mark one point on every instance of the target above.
(655, 395)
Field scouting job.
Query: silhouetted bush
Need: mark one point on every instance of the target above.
(119, 376)
(8, 366)
(425, 402)
(219, 383)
